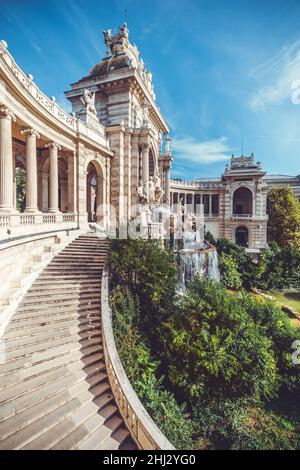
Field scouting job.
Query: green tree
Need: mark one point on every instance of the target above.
(229, 272)
(284, 217)
(242, 424)
(213, 348)
(150, 272)
(21, 188)
(142, 370)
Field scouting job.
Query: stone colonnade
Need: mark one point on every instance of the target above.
(209, 201)
(7, 187)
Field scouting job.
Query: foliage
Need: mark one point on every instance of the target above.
(20, 188)
(209, 238)
(226, 355)
(242, 424)
(278, 268)
(277, 327)
(141, 370)
(275, 268)
(214, 348)
(229, 272)
(284, 217)
(150, 273)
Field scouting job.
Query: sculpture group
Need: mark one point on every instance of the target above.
(150, 195)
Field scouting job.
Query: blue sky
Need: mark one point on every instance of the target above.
(221, 69)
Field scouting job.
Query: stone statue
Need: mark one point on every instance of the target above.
(151, 192)
(142, 196)
(116, 43)
(143, 208)
(88, 101)
(159, 192)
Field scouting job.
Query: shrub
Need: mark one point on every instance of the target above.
(141, 370)
(150, 272)
(242, 424)
(213, 347)
(230, 275)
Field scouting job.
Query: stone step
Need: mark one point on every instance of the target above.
(58, 290)
(54, 390)
(15, 353)
(76, 297)
(68, 422)
(118, 440)
(77, 437)
(39, 357)
(48, 277)
(20, 338)
(67, 302)
(17, 390)
(101, 435)
(26, 373)
(15, 406)
(79, 313)
(12, 363)
(41, 289)
(53, 413)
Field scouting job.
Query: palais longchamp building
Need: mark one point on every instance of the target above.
(103, 165)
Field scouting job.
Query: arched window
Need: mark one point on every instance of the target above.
(242, 202)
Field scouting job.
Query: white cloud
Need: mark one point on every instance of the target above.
(278, 74)
(206, 152)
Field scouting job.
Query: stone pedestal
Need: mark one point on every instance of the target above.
(91, 120)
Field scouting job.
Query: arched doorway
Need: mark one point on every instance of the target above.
(242, 202)
(94, 192)
(242, 236)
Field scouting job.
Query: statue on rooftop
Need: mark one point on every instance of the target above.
(116, 43)
(88, 101)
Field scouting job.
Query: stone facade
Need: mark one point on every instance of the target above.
(235, 203)
(106, 162)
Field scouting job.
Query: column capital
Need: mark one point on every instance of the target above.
(7, 113)
(30, 132)
(145, 145)
(52, 145)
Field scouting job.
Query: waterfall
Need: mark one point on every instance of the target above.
(213, 265)
(198, 262)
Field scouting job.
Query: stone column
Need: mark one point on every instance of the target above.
(145, 162)
(31, 170)
(72, 193)
(210, 206)
(53, 176)
(193, 203)
(6, 160)
(168, 162)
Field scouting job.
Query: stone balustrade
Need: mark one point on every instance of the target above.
(140, 425)
(17, 224)
(49, 104)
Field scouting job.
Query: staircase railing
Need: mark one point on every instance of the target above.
(142, 428)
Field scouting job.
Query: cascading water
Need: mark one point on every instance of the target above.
(197, 260)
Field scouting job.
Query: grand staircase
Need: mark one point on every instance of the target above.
(54, 390)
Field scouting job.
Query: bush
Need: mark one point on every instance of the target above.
(213, 348)
(275, 268)
(141, 370)
(242, 424)
(230, 275)
(150, 273)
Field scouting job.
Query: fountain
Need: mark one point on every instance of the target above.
(197, 257)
